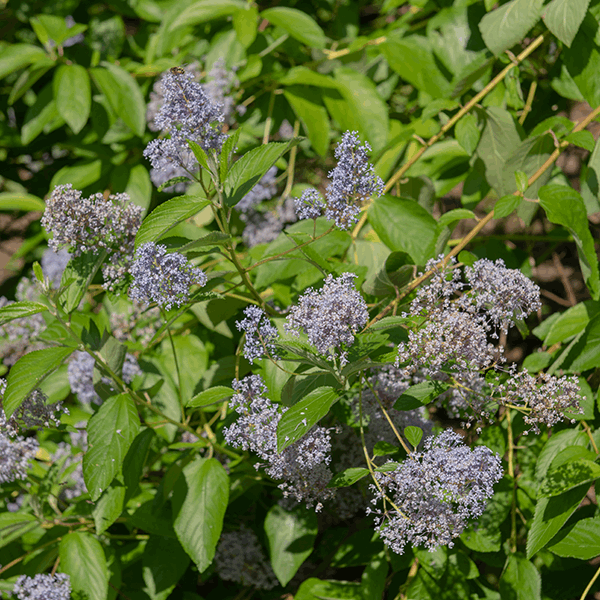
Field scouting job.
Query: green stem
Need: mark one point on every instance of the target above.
(587, 588)
(179, 393)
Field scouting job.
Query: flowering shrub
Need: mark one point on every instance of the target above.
(282, 326)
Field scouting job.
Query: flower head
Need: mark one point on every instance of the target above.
(310, 205)
(43, 587)
(162, 278)
(435, 492)
(260, 333)
(330, 316)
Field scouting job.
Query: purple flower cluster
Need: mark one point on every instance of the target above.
(53, 265)
(303, 466)
(187, 113)
(265, 189)
(94, 224)
(240, 558)
(260, 333)
(218, 86)
(162, 278)
(262, 227)
(435, 493)
(542, 399)
(43, 587)
(353, 181)
(135, 322)
(330, 316)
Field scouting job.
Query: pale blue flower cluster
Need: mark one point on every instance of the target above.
(162, 278)
(302, 466)
(353, 181)
(330, 316)
(435, 492)
(260, 334)
(53, 265)
(43, 587)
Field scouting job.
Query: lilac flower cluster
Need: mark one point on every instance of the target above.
(135, 322)
(260, 333)
(94, 224)
(219, 84)
(330, 316)
(162, 278)
(262, 227)
(43, 587)
(240, 558)
(435, 493)
(303, 466)
(187, 113)
(353, 181)
(81, 376)
(542, 399)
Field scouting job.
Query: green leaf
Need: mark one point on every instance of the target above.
(82, 558)
(199, 502)
(420, 395)
(550, 515)
(498, 141)
(227, 153)
(41, 115)
(110, 433)
(18, 201)
(109, 506)
(582, 60)
(250, 169)
(369, 111)
(135, 459)
(571, 322)
(520, 580)
(581, 540)
(297, 24)
(18, 310)
(413, 434)
(467, 133)
(15, 525)
(316, 589)
(123, 95)
(245, 23)
(291, 536)
(17, 56)
(506, 26)
(411, 57)
(506, 205)
(297, 421)
(27, 374)
(403, 225)
(166, 216)
(567, 476)
(210, 396)
(564, 17)
(306, 103)
(456, 214)
(164, 562)
(199, 154)
(564, 206)
(77, 277)
(348, 477)
(214, 238)
(559, 441)
(80, 175)
(304, 76)
(522, 181)
(73, 95)
(202, 11)
(583, 139)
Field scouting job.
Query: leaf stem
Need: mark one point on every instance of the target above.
(587, 588)
(511, 473)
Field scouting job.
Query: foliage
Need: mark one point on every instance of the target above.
(244, 381)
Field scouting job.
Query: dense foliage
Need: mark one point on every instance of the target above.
(302, 305)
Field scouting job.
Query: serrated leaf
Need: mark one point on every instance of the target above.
(291, 536)
(457, 214)
(413, 434)
(163, 564)
(467, 133)
(583, 139)
(210, 396)
(522, 181)
(83, 559)
(166, 216)
(297, 24)
(307, 104)
(110, 433)
(550, 515)
(109, 506)
(199, 154)
(581, 540)
(206, 10)
(564, 17)
(73, 95)
(17, 56)
(251, 168)
(77, 277)
(506, 26)
(299, 419)
(564, 206)
(520, 580)
(227, 152)
(27, 374)
(567, 476)
(506, 205)
(420, 395)
(19, 310)
(199, 502)
(348, 477)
